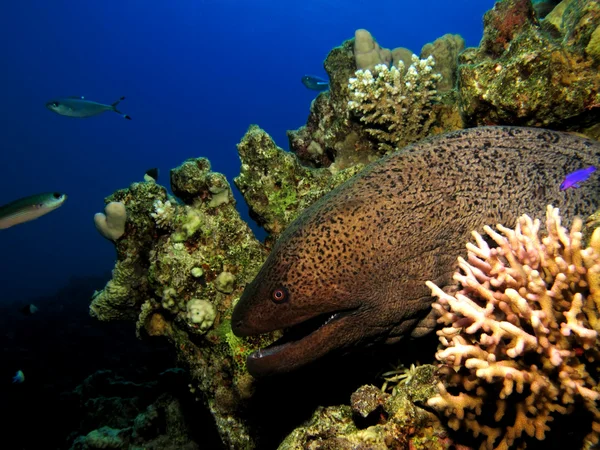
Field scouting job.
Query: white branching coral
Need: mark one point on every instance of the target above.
(395, 103)
(163, 213)
(521, 334)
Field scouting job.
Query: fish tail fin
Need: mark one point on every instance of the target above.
(114, 108)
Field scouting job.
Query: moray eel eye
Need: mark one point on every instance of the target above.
(279, 295)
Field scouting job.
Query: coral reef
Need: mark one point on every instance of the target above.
(129, 288)
(529, 73)
(334, 137)
(377, 420)
(179, 269)
(182, 266)
(183, 260)
(520, 343)
(115, 413)
(394, 103)
(275, 185)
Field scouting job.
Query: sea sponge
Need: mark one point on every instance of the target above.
(367, 52)
(111, 223)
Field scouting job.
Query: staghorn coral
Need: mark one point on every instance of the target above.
(521, 334)
(397, 107)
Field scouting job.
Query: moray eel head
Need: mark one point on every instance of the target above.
(316, 316)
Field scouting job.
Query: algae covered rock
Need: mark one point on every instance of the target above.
(275, 185)
(521, 74)
(377, 420)
(328, 136)
(168, 263)
(193, 181)
(128, 290)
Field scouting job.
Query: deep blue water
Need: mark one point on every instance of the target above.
(196, 74)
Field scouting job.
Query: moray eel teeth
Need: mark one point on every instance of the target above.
(287, 351)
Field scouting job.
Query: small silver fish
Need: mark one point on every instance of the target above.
(29, 208)
(19, 377)
(82, 108)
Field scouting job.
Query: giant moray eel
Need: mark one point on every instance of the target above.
(351, 269)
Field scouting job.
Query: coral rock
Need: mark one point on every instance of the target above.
(522, 75)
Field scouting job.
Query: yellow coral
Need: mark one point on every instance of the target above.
(521, 334)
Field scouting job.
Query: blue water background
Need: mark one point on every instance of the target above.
(195, 73)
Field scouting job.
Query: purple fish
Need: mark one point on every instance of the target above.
(574, 178)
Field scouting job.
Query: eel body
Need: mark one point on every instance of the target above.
(351, 269)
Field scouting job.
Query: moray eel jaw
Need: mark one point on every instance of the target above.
(310, 329)
(302, 344)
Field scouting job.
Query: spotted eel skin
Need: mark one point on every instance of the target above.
(351, 269)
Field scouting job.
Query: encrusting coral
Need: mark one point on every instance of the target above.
(533, 73)
(521, 334)
(396, 104)
(275, 185)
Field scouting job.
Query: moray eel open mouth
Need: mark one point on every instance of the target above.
(301, 344)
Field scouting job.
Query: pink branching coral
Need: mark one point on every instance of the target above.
(520, 343)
